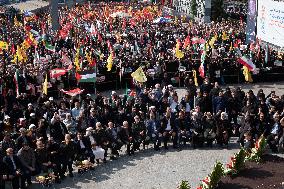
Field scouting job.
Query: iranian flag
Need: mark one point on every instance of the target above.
(247, 62)
(16, 81)
(195, 40)
(57, 72)
(86, 76)
(73, 92)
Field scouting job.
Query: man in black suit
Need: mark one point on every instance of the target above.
(3, 173)
(14, 168)
(83, 147)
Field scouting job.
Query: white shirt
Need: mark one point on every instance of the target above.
(14, 164)
(187, 107)
(173, 106)
(82, 144)
(169, 125)
(92, 139)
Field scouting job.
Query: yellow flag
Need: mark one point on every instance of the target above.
(109, 62)
(224, 36)
(76, 61)
(3, 45)
(102, 56)
(139, 75)
(231, 46)
(88, 57)
(44, 86)
(20, 55)
(179, 54)
(195, 78)
(212, 42)
(16, 22)
(247, 74)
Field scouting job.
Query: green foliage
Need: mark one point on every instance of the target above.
(184, 185)
(216, 174)
(240, 160)
(258, 150)
(237, 162)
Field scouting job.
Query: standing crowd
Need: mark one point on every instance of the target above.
(43, 131)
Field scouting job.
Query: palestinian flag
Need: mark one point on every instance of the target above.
(57, 72)
(73, 92)
(86, 76)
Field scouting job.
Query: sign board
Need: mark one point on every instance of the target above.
(270, 22)
(183, 6)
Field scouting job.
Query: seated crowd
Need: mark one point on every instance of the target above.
(51, 135)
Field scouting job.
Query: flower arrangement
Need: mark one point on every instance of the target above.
(258, 150)
(212, 180)
(46, 180)
(237, 163)
(83, 166)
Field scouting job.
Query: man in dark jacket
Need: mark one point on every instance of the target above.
(219, 103)
(168, 129)
(14, 169)
(57, 129)
(27, 158)
(68, 152)
(3, 173)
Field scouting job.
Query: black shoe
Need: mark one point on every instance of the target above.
(166, 148)
(71, 175)
(62, 177)
(113, 158)
(97, 161)
(105, 161)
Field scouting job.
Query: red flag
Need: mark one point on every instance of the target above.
(93, 63)
(78, 76)
(186, 42)
(63, 33)
(28, 28)
(132, 93)
(73, 92)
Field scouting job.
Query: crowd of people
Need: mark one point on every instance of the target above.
(43, 130)
(52, 135)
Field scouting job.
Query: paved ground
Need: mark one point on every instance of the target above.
(160, 170)
(152, 170)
